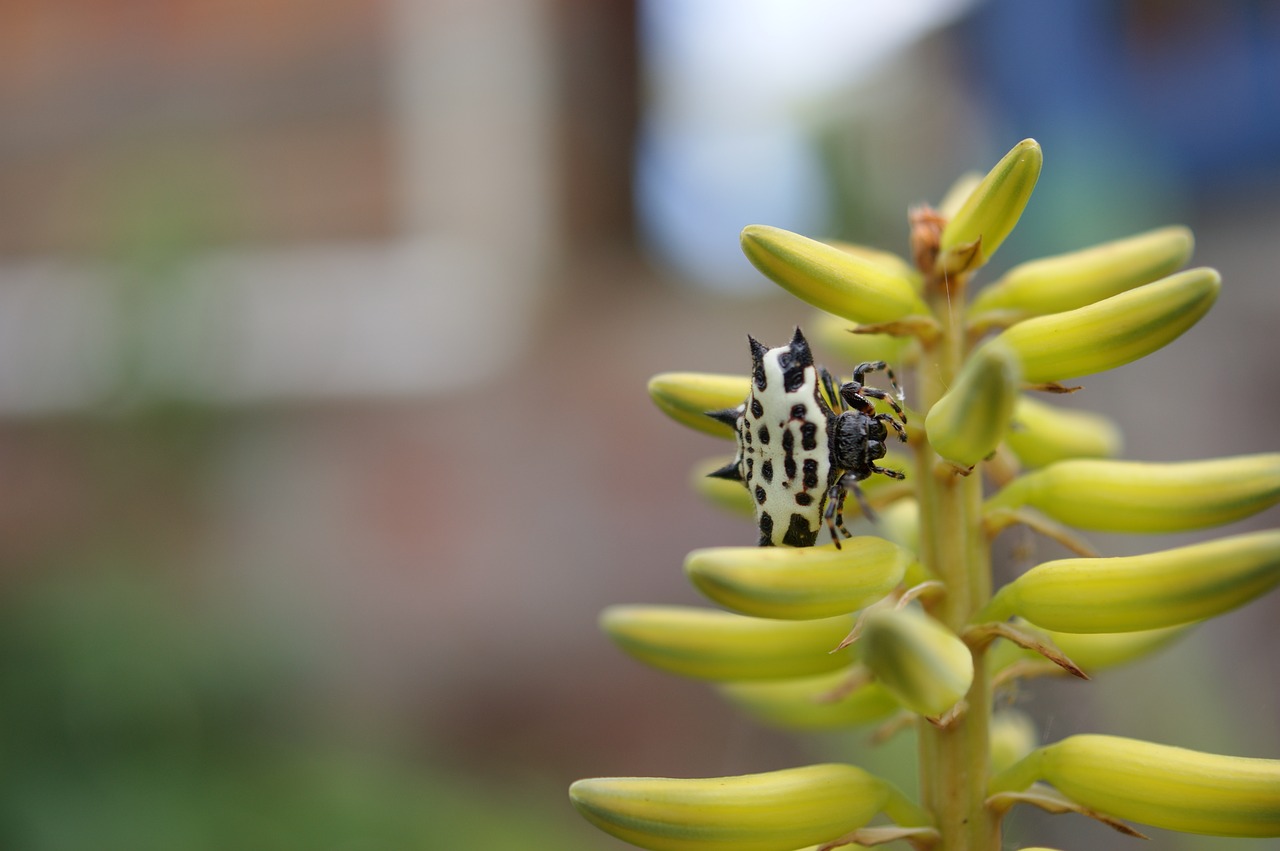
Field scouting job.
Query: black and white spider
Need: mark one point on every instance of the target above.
(796, 456)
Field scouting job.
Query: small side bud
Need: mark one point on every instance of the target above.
(925, 665)
(967, 424)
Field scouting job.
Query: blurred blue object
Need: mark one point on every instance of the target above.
(1193, 86)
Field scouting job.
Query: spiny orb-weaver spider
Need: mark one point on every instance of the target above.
(796, 456)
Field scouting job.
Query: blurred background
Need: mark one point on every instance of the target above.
(324, 332)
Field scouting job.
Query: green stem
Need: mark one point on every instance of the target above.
(953, 760)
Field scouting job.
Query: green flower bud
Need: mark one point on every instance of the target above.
(967, 423)
(1114, 331)
(799, 583)
(1013, 736)
(831, 279)
(918, 659)
(806, 703)
(711, 645)
(1165, 787)
(687, 396)
(900, 523)
(1079, 278)
(835, 334)
(1144, 592)
(1136, 496)
(992, 209)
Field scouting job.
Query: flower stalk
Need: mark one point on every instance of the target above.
(902, 621)
(953, 759)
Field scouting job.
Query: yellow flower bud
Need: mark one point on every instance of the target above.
(831, 279)
(1165, 787)
(1041, 434)
(1072, 280)
(774, 811)
(1114, 331)
(994, 206)
(687, 396)
(799, 583)
(1137, 496)
(1144, 592)
(712, 645)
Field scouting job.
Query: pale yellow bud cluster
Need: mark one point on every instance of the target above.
(900, 620)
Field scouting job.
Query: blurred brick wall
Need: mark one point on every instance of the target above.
(267, 119)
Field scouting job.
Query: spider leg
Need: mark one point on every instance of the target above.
(860, 371)
(840, 514)
(893, 474)
(852, 399)
(849, 482)
(832, 516)
(860, 374)
(880, 394)
(896, 400)
(888, 418)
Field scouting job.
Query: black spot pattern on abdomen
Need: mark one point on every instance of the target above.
(798, 532)
(810, 473)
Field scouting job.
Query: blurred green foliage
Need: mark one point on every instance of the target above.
(129, 722)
